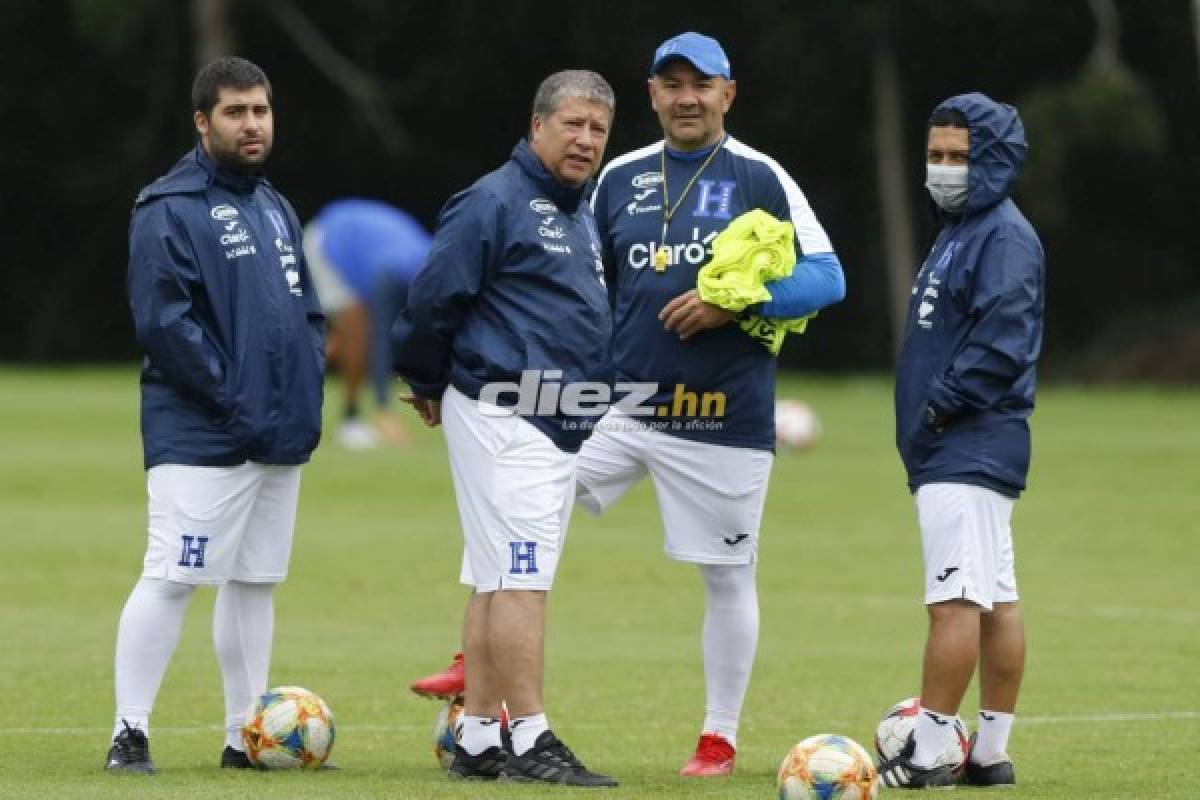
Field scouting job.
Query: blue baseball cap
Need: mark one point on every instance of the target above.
(702, 52)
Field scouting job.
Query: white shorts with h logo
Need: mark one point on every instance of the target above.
(215, 524)
(514, 489)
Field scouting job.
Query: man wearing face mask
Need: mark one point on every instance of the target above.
(965, 385)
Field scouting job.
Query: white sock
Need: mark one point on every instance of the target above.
(476, 734)
(935, 734)
(525, 731)
(243, 629)
(730, 639)
(146, 638)
(991, 745)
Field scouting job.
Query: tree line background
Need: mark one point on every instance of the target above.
(411, 101)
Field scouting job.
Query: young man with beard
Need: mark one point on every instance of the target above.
(233, 343)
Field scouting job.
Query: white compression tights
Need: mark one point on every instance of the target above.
(730, 640)
(243, 627)
(146, 640)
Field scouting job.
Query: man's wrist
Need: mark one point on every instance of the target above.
(934, 419)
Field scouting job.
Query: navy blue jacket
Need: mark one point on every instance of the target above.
(513, 282)
(974, 328)
(226, 315)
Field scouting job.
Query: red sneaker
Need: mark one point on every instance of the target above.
(446, 685)
(714, 758)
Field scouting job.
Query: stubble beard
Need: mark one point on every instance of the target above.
(226, 153)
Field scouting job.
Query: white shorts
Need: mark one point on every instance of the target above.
(967, 542)
(514, 489)
(217, 524)
(710, 497)
(332, 292)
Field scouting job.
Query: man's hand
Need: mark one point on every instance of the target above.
(428, 409)
(688, 315)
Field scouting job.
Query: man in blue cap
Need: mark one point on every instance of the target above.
(965, 385)
(658, 209)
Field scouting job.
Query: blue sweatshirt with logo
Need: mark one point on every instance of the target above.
(513, 282)
(974, 327)
(225, 313)
(724, 363)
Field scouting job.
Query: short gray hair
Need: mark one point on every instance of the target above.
(581, 83)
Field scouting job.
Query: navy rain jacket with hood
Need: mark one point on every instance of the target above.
(514, 282)
(974, 327)
(225, 312)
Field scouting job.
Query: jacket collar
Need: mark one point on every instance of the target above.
(565, 197)
(240, 182)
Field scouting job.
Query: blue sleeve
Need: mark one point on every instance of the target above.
(1001, 345)
(163, 275)
(816, 282)
(443, 292)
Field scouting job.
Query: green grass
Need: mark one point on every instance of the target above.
(1107, 541)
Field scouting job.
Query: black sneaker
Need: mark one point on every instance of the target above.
(130, 752)
(551, 761)
(901, 773)
(486, 766)
(235, 759)
(998, 773)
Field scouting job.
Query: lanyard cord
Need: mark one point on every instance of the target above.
(668, 209)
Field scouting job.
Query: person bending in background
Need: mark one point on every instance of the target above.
(363, 254)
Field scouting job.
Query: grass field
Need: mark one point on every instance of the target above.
(1108, 543)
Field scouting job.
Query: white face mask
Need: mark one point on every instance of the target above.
(947, 185)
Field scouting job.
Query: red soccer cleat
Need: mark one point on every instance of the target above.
(714, 758)
(446, 685)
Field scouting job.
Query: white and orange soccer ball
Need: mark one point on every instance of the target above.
(828, 767)
(444, 733)
(796, 425)
(900, 722)
(289, 727)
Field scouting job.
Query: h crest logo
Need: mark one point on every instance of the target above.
(714, 199)
(524, 554)
(193, 551)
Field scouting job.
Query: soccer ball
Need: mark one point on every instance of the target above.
(289, 727)
(827, 767)
(796, 425)
(444, 732)
(901, 721)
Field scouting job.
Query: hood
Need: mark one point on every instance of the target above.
(195, 172)
(997, 147)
